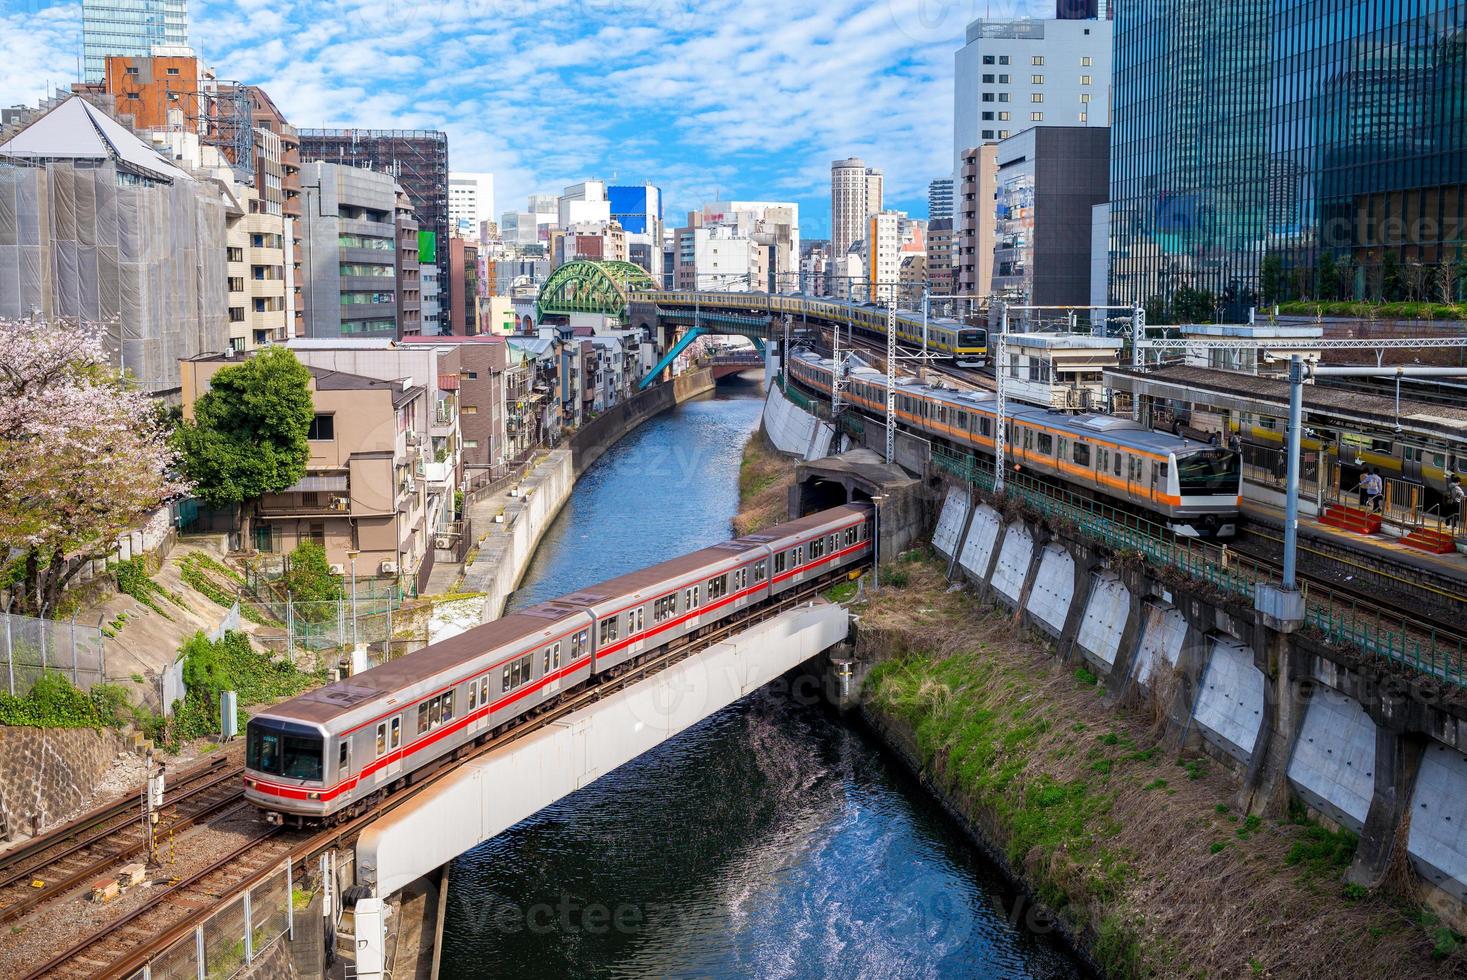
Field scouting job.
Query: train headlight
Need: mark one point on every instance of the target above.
(314, 796)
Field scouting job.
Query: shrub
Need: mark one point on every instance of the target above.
(133, 580)
(310, 578)
(54, 703)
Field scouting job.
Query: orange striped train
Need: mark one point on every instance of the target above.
(334, 751)
(1193, 487)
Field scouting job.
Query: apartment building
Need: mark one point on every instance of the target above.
(975, 222)
(362, 494)
(349, 249)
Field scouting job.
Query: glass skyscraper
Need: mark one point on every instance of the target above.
(1312, 149)
(129, 27)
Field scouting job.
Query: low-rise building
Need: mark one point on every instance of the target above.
(362, 496)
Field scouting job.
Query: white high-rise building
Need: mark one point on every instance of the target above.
(856, 191)
(470, 204)
(584, 203)
(1012, 75)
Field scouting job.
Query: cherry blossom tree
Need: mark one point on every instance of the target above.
(83, 458)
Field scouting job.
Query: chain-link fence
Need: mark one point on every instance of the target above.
(31, 647)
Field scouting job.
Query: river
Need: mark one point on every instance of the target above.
(772, 840)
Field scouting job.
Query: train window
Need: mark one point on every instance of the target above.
(1082, 454)
(664, 608)
(779, 563)
(985, 426)
(759, 571)
(1118, 464)
(718, 587)
(484, 691)
(396, 732)
(962, 419)
(423, 710)
(1064, 448)
(343, 756)
(504, 684)
(381, 738)
(692, 600)
(817, 548)
(435, 713)
(555, 658)
(834, 541)
(303, 758)
(608, 629)
(448, 706)
(473, 695)
(1046, 444)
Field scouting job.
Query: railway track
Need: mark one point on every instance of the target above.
(125, 945)
(83, 849)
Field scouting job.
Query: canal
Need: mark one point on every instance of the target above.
(772, 840)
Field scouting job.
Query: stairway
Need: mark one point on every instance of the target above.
(1432, 542)
(1351, 519)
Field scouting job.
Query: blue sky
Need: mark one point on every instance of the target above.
(731, 99)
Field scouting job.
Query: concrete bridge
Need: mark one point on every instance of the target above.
(486, 796)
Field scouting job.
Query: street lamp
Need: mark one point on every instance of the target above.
(352, 557)
(876, 542)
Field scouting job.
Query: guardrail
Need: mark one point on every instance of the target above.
(1340, 617)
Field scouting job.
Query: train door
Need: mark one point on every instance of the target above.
(387, 738)
(550, 667)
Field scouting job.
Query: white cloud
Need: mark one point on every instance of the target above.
(748, 98)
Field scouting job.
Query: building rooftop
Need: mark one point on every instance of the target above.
(341, 381)
(1065, 341)
(77, 130)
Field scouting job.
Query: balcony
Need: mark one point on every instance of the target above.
(438, 475)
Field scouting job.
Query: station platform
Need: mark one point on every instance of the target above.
(1382, 547)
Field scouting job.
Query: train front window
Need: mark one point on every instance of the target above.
(302, 757)
(972, 338)
(264, 751)
(1208, 471)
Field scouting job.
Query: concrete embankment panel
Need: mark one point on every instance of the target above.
(1104, 622)
(1014, 557)
(1162, 634)
(1229, 707)
(977, 551)
(793, 430)
(950, 522)
(1333, 766)
(1438, 839)
(1054, 588)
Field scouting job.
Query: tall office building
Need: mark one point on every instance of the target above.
(1347, 146)
(638, 209)
(856, 191)
(350, 244)
(1015, 74)
(940, 199)
(417, 159)
(470, 203)
(130, 27)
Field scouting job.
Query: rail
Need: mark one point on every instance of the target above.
(1341, 617)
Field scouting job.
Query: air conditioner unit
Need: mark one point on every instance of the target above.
(443, 542)
(337, 569)
(388, 568)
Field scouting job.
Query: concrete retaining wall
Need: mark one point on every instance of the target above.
(1361, 745)
(793, 430)
(505, 553)
(49, 772)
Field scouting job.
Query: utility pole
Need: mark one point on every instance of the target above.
(1000, 367)
(891, 377)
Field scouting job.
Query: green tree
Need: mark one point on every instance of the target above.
(310, 578)
(248, 435)
(1156, 312)
(1271, 279)
(1193, 305)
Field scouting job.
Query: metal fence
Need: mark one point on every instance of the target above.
(1341, 618)
(232, 939)
(324, 627)
(32, 647)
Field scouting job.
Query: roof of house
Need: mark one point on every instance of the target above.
(78, 130)
(327, 380)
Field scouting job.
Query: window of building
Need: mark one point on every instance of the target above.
(469, 410)
(1085, 61)
(987, 96)
(987, 117)
(1084, 79)
(234, 254)
(1003, 96)
(1037, 79)
(1036, 97)
(1084, 117)
(1003, 59)
(988, 79)
(987, 134)
(471, 444)
(173, 71)
(1036, 117)
(987, 60)
(323, 428)
(1003, 134)
(1003, 117)
(1003, 79)
(1037, 59)
(472, 375)
(236, 284)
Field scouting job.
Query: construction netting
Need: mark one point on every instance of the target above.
(145, 257)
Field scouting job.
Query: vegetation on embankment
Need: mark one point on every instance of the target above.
(765, 477)
(1135, 849)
